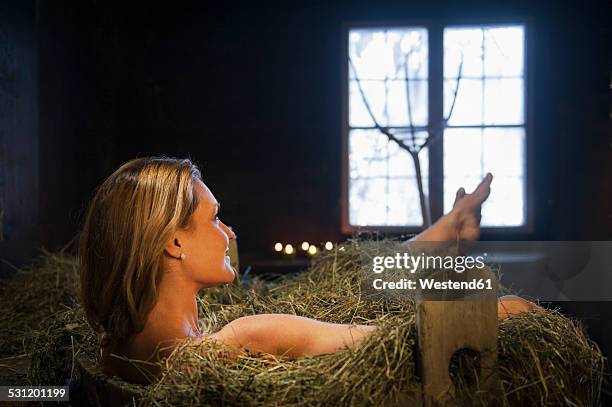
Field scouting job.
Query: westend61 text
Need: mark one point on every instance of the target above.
(432, 284)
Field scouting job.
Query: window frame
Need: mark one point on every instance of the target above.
(435, 34)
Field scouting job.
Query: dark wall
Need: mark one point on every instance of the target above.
(18, 134)
(253, 94)
(78, 129)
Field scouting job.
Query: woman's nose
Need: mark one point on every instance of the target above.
(229, 231)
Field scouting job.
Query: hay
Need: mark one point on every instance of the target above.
(45, 287)
(373, 373)
(544, 358)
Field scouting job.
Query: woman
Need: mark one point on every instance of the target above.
(152, 239)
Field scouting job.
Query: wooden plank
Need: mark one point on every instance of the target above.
(445, 327)
(101, 390)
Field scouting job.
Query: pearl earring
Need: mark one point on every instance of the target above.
(182, 256)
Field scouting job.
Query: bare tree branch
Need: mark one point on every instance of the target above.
(435, 134)
(459, 75)
(425, 214)
(408, 103)
(414, 150)
(384, 130)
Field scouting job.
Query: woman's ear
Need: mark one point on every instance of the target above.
(173, 248)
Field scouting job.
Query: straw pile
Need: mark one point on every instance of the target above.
(36, 292)
(544, 358)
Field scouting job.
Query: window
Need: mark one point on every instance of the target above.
(452, 123)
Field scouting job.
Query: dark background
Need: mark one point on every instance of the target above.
(252, 93)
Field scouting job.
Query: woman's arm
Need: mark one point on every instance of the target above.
(290, 335)
(293, 336)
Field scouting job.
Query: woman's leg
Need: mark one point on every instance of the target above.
(463, 221)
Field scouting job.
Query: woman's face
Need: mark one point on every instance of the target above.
(205, 243)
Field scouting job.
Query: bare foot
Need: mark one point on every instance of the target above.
(463, 221)
(509, 305)
(465, 215)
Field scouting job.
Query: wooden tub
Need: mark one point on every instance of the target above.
(444, 327)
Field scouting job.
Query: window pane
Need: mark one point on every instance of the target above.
(414, 45)
(387, 100)
(468, 108)
(403, 205)
(397, 108)
(375, 95)
(504, 151)
(367, 201)
(505, 206)
(490, 92)
(501, 49)
(372, 154)
(371, 54)
(504, 51)
(383, 189)
(401, 163)
(463, 44)
(470, 153)
(384, 62)
(418, 98)
(384, 202)
(368, 152)
(503, 102)
(391, 67)
(463, 153)
(378, 53)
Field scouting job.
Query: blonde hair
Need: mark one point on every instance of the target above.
(132, 216)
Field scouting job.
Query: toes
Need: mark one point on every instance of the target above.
(482, 191)
(460, 194)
